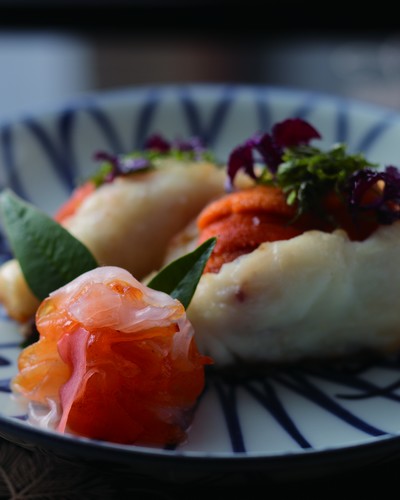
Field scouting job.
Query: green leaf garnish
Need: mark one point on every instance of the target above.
(48, 254)
(304, 173)
(50, 257)
(307, 174)
(180, 278)
(156, 149)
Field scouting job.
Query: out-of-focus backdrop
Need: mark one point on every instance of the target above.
(51, 52)
(55, 51)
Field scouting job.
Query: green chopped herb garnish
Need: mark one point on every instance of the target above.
(156, 148)
(287, 160)
(50, 257)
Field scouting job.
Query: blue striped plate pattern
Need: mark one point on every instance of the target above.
(288, 419)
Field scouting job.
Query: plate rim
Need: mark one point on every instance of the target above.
(111, 95)
(386, 443)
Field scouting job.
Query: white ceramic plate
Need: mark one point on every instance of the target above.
(291, 423)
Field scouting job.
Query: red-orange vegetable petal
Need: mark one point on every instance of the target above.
(131, 370)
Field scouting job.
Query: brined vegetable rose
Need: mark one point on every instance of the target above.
(115, 361)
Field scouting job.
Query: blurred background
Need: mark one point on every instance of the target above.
(54, 51)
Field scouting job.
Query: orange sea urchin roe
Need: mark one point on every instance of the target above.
(244, 219)
(74, 201)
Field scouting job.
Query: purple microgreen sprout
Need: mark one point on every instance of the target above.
(241, 158)
(290, 133)
(307, 174)
(193, 145)
(293, 132)
(155, 147)
(386, 200)
(157, 142)
(116, 165)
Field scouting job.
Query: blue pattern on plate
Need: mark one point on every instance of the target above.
(140, 109)
(5, 385)
(58, 148)
(11, 174)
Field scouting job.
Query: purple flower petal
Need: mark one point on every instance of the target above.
(127, 164)
(192, 145)
(105, 156)
(288, 133)
(121, 165)
(157, 142)
(241, 158)
(293, 132)
(270, 152)
(386, 205)
(359, 184)
(114, 162)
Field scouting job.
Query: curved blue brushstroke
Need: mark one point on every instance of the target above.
(4, 361)
(65, 126)
(263, 110)
(297, 382)
(342, 133)
(374, 133)
(23, 417)
(8, 152)
(270, 400)
(5, 251)
(9, 345)
(61, 155)
(209, 133)
(364, 387)
(305, 107)
(57, 154)
(5, 385)
(145, 119)
(107, 128)
(227, 397)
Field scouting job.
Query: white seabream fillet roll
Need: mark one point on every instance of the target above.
(318, 295)
(128, 223)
